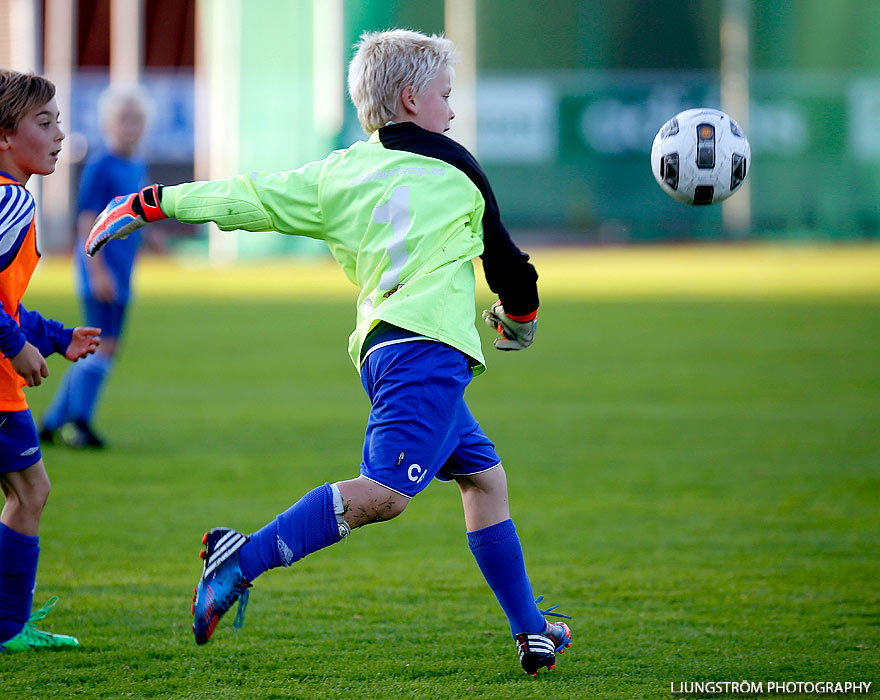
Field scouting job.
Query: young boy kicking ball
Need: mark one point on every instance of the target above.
(404, 213)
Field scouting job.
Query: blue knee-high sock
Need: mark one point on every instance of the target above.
(307, 526)
(499, 556)
(86, 384)
(58, 412)
(18, 577)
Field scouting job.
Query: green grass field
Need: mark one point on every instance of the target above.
(692, 447)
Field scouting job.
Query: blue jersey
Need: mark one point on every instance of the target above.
(104, 177)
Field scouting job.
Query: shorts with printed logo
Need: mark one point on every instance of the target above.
(420, 426)
(19, 444)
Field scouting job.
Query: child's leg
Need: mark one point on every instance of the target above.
(307, 526)
(395, 378)
(89, 375)
(316, 521)
(87, 378)
(26, 492)
(78, 393)
(495, 545)
(58, 412)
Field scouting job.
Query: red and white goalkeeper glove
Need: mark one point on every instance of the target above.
(515, 334)
(125, 215)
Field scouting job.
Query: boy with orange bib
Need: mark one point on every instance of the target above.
(30, 142)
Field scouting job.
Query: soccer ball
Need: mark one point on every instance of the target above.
(700, 156)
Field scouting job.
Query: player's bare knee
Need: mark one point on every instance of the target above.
(33, 498)
(27, 504)
(365, 502)
(359, 514)
(396, 507)
(27, 496)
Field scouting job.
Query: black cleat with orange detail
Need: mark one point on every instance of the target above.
(537, 651)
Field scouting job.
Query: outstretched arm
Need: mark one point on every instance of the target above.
(285, 202)
(124, 215)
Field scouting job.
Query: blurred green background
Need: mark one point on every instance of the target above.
(570, 94)
(566, 95)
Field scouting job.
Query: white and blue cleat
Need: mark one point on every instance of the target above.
(221, 583)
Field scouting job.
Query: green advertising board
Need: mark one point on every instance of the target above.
(570, 94)
(571, 151)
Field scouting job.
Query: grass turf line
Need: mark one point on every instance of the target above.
(694, 476)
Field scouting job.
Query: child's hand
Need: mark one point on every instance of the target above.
(125, 215)
(515, 335)
(30, 364)
(84, 342)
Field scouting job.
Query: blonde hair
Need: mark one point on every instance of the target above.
(19, 94)
(385, 63)
(115, 97)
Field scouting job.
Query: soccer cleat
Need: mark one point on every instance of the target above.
(47, 435)
(79, 434)
(537, 651)
(31, 638)
(221, 583)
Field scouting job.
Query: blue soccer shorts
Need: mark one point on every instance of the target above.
(419, 426)
(19, 443)
(108, 316)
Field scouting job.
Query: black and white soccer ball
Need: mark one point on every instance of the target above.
(700, 156)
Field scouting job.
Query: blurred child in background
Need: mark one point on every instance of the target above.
(104, 283)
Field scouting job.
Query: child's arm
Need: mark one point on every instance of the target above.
(508, 270)
(26, 345)
(48, 336)
(512, 277)
(12, 339)
(25, 359)
(285, 202)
